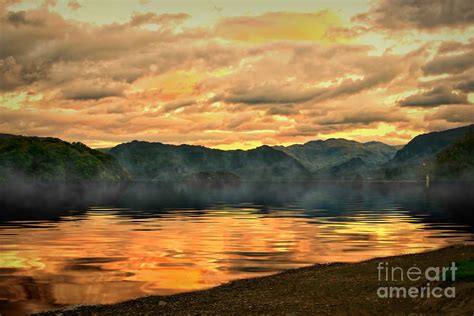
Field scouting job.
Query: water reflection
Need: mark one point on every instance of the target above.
(107, 243)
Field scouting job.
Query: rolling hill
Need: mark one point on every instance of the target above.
(321, 155)
(416, 158)
(456, 161)
(157, 161)
(47, 158)
(426, 146)
(445, 154)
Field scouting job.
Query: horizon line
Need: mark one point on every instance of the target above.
(248, 148)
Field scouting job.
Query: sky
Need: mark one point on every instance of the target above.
(235, 74)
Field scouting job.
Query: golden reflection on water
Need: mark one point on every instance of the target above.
(105, 257)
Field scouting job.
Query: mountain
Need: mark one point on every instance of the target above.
(445, 155)
(322, 155)
(47, 158)
(216, 177)
(414, 160)
(426, 146)
(7, 135)
(456, 161)
(157, 161)
(353, 169)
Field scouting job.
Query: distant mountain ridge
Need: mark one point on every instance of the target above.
(320, 159)
(444, 154)
(157, 161)
(153, 160)
(321, 155)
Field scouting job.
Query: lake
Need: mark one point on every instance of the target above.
(103, 243)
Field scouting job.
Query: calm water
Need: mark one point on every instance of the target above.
(104, 243)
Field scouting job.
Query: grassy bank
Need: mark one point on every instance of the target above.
(321, 289)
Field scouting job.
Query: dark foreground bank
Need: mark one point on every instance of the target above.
(324, 289)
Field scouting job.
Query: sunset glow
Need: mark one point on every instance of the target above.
(234, 75)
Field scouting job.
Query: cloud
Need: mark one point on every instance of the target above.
(14, 75)
(267, 94)
(5, 4)
(49, 3)
(25, 32)
(74, 5)
(435, 97)
(450, 64)
(284, 110)
(40, 49)
(466, 86)
(281, 26)
(178, 104)
(419, 14)
(453, 114)
(19, 18)
(272, 78)
(162, 19)
(362, 116)
(92, 89)
(10, 74)
(281, 94)
(452, 46)
(350, 86)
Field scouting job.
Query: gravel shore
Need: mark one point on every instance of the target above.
(321, 289)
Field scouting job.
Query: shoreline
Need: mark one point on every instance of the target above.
(332, 288)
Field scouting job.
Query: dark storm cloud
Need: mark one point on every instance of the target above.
(435, 97)
(419, 14)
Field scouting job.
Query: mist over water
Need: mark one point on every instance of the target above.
(89, 243)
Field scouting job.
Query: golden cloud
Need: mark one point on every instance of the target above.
(279, 77)
(283, 26)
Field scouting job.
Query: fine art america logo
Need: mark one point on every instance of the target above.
(387, 273)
